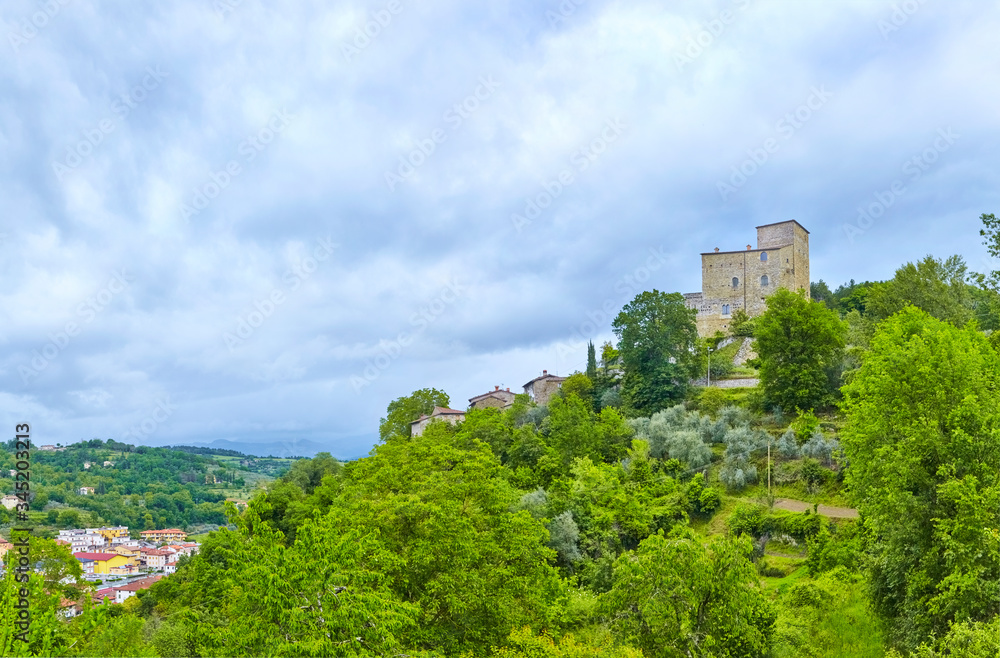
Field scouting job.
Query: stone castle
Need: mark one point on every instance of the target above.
(732, 280)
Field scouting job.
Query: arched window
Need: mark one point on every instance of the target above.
(736, 282)
(763, 280)
(763, 255)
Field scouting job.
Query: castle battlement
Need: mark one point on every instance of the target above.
(732, 280)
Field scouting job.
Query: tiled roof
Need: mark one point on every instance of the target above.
(100, 557)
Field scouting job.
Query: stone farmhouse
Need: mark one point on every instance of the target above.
(732, 280)
(540, 389)
(501, 399)
(440, 413)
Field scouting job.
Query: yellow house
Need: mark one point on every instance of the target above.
(132, 554)
(102, 562)
(110, 533)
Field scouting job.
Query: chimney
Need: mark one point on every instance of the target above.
(716, 250)
(544, 373)
(508, 389)
(496, 388)
(748, 247)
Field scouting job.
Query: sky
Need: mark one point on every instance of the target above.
(254, 222)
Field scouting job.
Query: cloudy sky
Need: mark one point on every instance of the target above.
(261, 222)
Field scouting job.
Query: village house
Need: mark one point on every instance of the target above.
(86, 491)
(127, 591)
(440, 413)
(172, 534)
(108, 464)
(541, 388)
(4, 547)
(153, 558)
(10, 502)
(100, 562)
(110, 534)
(498, 398)
(47, 447)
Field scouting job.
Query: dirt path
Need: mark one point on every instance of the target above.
(800, 506)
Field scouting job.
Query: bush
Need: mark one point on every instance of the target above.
(611, 398)
(741, 324)
(711, 400)
(805, 425)
(747, 520)
(787, 446)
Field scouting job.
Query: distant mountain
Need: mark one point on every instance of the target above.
(295, 448)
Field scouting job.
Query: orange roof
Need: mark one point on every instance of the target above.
(170, 530)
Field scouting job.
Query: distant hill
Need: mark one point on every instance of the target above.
(296, 448)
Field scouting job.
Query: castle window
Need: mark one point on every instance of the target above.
(725, 309)
(763, 280)
(736, 282)
(763, 255)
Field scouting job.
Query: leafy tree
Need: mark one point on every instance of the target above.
(656, 339)
(474, 567)
(591, 361)
(580, 385)
(991, 234)
(609, 356)
(799, 344)
(922, 435)
(403, 411)
(820, 292)
(937, 286)
(677, 597)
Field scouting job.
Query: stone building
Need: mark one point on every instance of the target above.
(440, 413)
(540, 389)
(731, 280)
(499, 398)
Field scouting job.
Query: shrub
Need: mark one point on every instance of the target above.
(711, 400)
(746, 520)
(805, 425)
(710, 500)
(611, 398)
(787, 446)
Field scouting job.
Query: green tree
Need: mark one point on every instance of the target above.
(609, 356)
(591, 361)
(820, 292)
(922, 436)
(403, 411)
(443, 506)
(991, 239)
(675, 597)
(936, 286)
(657, 340)
(800, 345)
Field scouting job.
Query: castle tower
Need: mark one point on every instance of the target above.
(731, 280)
